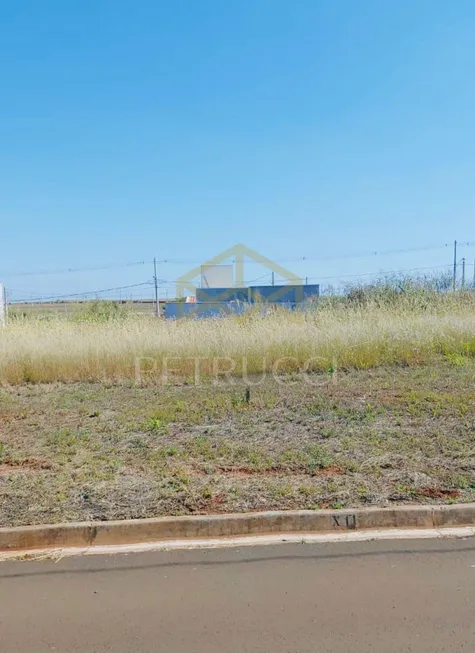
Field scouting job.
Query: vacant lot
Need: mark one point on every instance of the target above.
(110, 415)
(364, 437)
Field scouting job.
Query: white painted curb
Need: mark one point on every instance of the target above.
(260, 540)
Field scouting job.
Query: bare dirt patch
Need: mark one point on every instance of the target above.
(23, 465)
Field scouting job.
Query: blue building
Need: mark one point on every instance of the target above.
(213, 302)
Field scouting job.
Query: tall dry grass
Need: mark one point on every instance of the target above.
(360, 333)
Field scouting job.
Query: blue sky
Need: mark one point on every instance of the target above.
(309, 129)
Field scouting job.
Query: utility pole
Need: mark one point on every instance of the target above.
(155, 281)
(463, 273)
(455, 266)
(3, 306)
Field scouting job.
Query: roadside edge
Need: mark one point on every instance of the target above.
(215, 527)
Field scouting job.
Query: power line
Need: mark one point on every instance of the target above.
(372, 253)
(170, 284)
(92, 268)
(264, 276)
(84, 294)
(381, 272)
(366, 254)
(174, 261)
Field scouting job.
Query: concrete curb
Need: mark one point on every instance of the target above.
(161, 529)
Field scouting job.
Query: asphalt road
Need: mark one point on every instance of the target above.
(344, 598)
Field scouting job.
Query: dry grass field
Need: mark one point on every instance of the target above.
(365, 404)
(413, 332)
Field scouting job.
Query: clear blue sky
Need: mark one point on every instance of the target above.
(175, 129)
